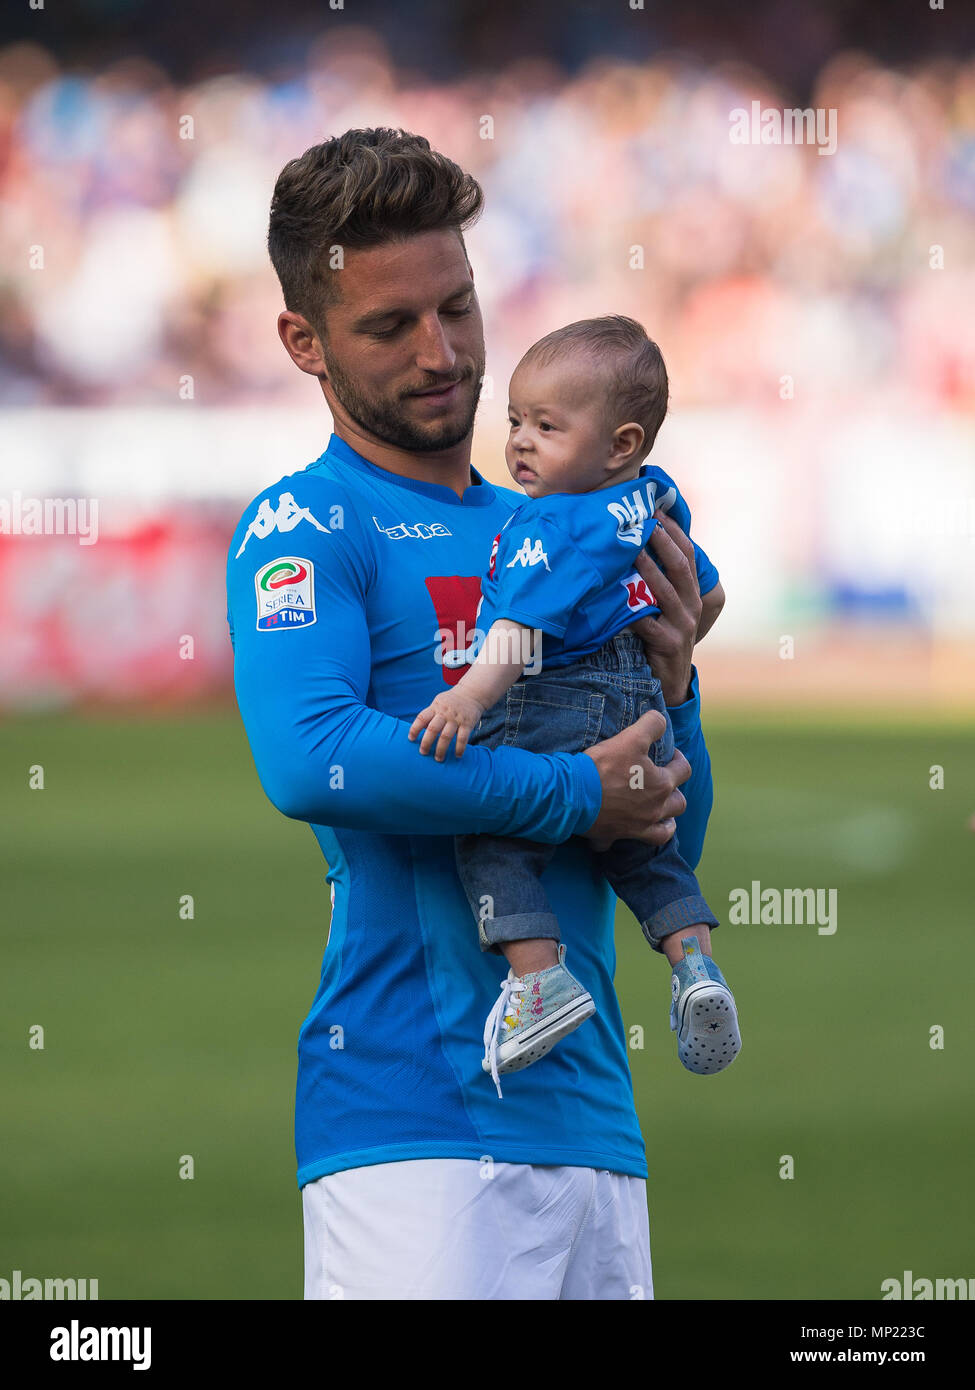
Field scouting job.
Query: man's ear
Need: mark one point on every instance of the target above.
(626, 443)
(301, 343)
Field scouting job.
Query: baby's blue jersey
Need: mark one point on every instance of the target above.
(565, 564)
(352, 594)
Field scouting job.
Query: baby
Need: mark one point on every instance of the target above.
(558, 671)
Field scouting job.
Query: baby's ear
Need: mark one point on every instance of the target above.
(627, 442)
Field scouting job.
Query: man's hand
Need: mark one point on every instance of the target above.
(669, 639)
(451, 713)
(646, 810)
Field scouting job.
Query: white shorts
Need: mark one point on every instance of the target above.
(456, 1228)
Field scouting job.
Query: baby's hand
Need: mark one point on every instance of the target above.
(451, 713)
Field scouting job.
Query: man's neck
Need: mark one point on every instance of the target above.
(448, 467)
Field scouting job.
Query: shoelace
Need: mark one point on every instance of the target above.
(509, 987)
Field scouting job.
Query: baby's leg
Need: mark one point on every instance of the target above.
(540, 1002)
(660, 889)
(538, 953)
(502, 878)
(672, 949)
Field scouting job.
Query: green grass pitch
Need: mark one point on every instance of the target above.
(166, 1036)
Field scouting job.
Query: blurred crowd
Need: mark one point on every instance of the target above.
(134, 275)
(133, 219)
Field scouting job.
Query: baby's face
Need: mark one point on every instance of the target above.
(557, 438)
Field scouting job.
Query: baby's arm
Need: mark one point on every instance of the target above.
(711, 606)
(499, 663)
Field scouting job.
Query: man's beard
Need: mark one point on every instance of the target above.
(383, 418)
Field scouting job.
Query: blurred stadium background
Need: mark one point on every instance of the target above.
(816, 316)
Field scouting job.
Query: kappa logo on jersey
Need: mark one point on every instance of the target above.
(420, 530)
(638, 595)
(285, 517)
(529, 554)
(285, 594)
(633, 511)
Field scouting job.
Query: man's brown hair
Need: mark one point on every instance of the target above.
(358, 190)
(627, 364)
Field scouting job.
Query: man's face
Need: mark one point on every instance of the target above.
(404, 345)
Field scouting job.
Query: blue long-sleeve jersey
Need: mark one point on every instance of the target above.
(352, 595)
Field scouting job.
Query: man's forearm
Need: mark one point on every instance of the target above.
(698, 789)
(354, 766)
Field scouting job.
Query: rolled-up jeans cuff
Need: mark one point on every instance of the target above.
(520, 926)
(685, 912)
